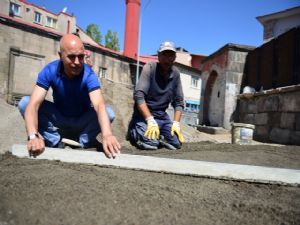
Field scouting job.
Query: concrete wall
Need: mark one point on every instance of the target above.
(234, 75)
(4, 6)
(275, 114)
(116, 70)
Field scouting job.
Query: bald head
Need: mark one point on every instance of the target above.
(72, 55)
(70, 41)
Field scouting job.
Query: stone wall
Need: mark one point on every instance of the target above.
(275, 114)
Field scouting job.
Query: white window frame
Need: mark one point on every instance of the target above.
(102, 72)
(37, 17)
(51, 22)
(194, 81)
(15, 9)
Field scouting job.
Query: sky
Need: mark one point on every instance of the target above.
(199, 26)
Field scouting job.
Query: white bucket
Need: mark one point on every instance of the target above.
(242, 133)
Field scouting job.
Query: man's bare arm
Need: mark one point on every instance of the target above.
(110, 144)
(36, 145)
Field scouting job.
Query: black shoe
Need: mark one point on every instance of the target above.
(165, 144)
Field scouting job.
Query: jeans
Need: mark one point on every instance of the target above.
(54, 126)
(138, 126)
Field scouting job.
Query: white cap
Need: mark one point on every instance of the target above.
(167, 45)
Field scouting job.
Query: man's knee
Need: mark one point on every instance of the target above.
(23, 104)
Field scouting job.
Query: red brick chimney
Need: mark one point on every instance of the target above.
(132, 28)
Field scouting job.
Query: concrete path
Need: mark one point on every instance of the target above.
(226, 171)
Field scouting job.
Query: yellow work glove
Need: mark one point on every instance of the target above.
(176, 129)
(152, 131)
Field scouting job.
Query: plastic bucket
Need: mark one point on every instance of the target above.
(242, 133)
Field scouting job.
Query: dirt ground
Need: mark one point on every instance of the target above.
(51, 192)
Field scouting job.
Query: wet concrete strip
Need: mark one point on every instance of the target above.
(227, 171)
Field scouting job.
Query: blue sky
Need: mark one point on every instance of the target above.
(199, 26)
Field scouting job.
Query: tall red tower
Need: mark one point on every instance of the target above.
(132, 28)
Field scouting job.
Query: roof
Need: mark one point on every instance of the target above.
(148, 58)
(279, 15)
(230, 46)
(181, 49)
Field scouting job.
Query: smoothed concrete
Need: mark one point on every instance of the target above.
(226, 171)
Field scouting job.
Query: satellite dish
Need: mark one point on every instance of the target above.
(64, 9)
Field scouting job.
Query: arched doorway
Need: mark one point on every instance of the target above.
(207, 96)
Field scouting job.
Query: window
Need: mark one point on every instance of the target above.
(102, 72)
(14, 9)
(51, 22)
(37, 17)
(190, 106)
(187, 107)
(194, 81)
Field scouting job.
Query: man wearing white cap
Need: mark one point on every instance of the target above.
(158, 86)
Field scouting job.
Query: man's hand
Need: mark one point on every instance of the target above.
(111, 146)
(152, 131)
(36, 146)
(176, 129)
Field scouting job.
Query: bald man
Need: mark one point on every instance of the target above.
(78, 110)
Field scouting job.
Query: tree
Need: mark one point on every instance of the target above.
(93, 31)
(112, 40)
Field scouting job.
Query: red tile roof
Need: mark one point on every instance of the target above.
(148, 58)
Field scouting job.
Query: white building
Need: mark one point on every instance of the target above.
(191, 81)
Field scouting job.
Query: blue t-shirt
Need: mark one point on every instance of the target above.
(70, 96)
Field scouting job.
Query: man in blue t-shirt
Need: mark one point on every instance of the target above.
(158, 86)
(78, 110)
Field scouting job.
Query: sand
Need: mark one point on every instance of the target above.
(50, 192)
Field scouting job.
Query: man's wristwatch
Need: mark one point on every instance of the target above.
(32, 136)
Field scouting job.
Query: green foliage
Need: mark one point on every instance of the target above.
(93, 31)
(112, 40)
